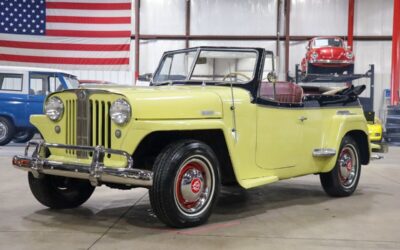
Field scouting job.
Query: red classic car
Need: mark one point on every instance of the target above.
(327, 55)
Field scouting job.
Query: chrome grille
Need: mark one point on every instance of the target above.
(87, 123)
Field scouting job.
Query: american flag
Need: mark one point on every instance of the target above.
(70, 34)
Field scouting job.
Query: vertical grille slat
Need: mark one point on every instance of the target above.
(108, 119)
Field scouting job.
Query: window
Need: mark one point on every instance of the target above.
(268, 66)
(39, 84)
(55, 84)
(11, 82)
(328, 42)
(225, 66)
(175, 67)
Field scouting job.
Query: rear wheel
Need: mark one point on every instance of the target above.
(60, 192)
(343, 179)
(186, 184)
(7, 131)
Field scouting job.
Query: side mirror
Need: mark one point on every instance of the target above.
(145, 77)
(271, 77)
(307, 47)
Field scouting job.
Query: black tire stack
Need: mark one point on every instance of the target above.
(392, 135)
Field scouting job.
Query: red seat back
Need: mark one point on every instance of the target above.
(285, 92)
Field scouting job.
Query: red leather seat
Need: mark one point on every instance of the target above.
(285, 92)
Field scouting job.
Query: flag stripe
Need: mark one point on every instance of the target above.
(92, 20)
(71, 40)
(88, 27)
(79, 33)
(89, 1)
(89, 67)
(88, 6)
(92, 13)
(63, 60)
(64, 46)
(63, 53)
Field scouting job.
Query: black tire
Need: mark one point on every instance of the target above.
(7, 131)
(58, 192)
(194, 165)
(335, 183)
(23, 136)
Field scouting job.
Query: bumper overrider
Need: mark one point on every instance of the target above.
(96, 172)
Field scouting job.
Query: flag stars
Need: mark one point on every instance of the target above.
(23, 16)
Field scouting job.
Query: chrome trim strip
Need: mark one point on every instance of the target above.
(324, 152)
(96, 172)
(333, 61)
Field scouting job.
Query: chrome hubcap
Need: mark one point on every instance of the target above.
(3, 131)
(193, 185)
(348, 163)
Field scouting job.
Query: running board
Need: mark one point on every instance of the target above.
(324, 152)
(250, 183)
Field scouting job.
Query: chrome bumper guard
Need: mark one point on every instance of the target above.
(97, 173)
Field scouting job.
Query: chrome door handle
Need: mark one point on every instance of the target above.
(302, 118)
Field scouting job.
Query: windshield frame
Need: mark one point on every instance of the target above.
(198, 50)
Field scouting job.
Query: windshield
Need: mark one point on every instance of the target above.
(232, 66)
(71, 81)
(328, 42)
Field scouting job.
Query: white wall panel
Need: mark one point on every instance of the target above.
(233, 17)
(162, 17)
(372, 17)
(379, 54)
(152, 50)
(318, 17)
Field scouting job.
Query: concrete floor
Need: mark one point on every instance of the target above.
(286, 215)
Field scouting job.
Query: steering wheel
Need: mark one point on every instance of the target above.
(236, 74)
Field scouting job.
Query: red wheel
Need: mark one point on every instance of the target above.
(193, 184)
(342, 180)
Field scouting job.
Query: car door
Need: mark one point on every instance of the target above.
(279, 133)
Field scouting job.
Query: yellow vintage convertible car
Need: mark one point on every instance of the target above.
(212, 116)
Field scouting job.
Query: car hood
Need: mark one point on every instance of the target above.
(331, 53)
(172, 102)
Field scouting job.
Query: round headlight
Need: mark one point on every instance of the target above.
(349, 54)
(120, 111)
(54, 108)
(314, 55)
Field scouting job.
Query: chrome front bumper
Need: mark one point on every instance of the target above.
(328, 61)
(97, 173)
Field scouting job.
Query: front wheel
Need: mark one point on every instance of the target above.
(60, 192)
(186, 184)
(343, 179)
(23, 136)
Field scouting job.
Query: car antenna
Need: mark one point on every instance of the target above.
(233, 109)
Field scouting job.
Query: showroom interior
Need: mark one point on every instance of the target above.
(208, 124)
